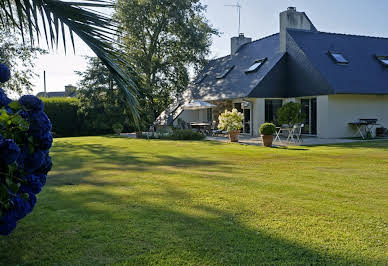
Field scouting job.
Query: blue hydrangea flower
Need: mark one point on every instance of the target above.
(45, 141)
(5, 73)
(31, 103)
(9, 151)
(4, 100)
(39, 124)
(6, 225)
(33, 184)
(33, 161)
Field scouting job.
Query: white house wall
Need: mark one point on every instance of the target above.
(336, 111)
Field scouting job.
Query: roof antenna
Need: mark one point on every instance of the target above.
(238, 6)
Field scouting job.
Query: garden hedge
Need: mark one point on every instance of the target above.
(63, 114)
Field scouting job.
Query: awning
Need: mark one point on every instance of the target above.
(197, 105)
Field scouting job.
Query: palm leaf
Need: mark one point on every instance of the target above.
(82, 18)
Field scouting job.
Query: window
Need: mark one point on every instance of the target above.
(256, 65)
(226, 72)
(200, 79)
(271, 110)
(382, 59)
(338, 58)
(209, 115)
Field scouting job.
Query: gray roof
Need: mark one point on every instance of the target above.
(53, 94)
(238, 83)
(364, 74)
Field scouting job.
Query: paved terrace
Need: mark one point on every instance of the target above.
(248, 140)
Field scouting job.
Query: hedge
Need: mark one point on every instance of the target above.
(63, 113)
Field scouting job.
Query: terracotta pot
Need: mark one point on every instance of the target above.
(233, 135)
(139, 134)
(267, 140)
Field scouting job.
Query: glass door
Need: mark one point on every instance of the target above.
(309, 110)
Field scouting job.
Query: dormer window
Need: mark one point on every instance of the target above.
(383, 59)
(225, 73)
(338, 58)
(200, 79)
(256, 65)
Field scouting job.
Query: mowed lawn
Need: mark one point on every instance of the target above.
(126, 201)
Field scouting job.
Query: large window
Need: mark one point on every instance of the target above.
(271, 110)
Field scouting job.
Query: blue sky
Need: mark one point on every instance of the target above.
(259, 18)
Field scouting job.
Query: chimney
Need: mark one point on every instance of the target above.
(237, 42)
(292, 19)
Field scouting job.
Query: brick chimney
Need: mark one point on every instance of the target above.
(237, 42)
(292, 19)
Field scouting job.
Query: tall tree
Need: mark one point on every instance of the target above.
(163, 39)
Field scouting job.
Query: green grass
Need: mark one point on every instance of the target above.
(126, 201)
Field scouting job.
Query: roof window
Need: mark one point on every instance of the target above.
(383, 59)
(256, 65)
(226, 72)
(338, 58)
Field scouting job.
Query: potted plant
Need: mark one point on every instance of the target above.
(267, 130)
(231, 121)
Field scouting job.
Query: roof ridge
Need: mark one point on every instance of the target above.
(336, 33)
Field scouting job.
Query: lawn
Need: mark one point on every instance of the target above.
(126, 201)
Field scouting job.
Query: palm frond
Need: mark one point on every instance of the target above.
(82, 18)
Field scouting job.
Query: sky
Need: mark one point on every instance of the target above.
(259, 18)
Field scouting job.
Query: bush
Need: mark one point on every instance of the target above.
(184, 134)
(290, 114)
(230, 121)
(25, 140)
(63, 113)
(117, 128)
(267, 129)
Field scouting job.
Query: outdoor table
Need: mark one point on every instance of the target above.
(203, 127)
(283, 129)
(367, 124)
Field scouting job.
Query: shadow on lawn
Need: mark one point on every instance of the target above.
(137, 230)
(163, 225)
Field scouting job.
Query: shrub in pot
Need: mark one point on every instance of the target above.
(290, 114)
(231, 121)
(267, 130)
(117, 128)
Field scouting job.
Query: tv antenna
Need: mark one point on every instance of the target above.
(238, 6)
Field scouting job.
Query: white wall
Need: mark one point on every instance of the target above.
(188, 116)
(336, 111)
(258, 114)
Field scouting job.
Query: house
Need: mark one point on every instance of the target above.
(337, 78)
(70, 91)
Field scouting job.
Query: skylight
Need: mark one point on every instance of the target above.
(338, 58)
(256, 65)
(226, 72)
(383, 59)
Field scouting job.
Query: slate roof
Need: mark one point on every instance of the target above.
(364, 74)
(238, 83)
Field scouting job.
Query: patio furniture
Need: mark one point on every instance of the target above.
(296, 132)
(202, 127)
(280, 130)
(364, 123)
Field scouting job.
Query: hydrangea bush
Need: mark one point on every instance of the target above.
(230, 120)
(25, 140)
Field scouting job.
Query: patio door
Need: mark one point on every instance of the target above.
(245, 108)
(309, 109)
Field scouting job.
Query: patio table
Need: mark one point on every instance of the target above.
(367, 124)
(203, 127)
(283, 129)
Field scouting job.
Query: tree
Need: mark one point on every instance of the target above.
(102, 104)
(163, 39)
(290, 114)
(83, 18)
(20, 58)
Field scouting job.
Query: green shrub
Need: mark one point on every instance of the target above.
(185, 134)
(63, 114)
(117, 128)
(267, 129)
(290, 114)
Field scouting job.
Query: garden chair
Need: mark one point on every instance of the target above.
(296, 133)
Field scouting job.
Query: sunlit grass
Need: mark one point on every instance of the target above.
(126, 201)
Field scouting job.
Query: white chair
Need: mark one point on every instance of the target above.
(296, 132)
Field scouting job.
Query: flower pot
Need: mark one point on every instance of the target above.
(233, 135)
(139, 134)
(267, 140)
